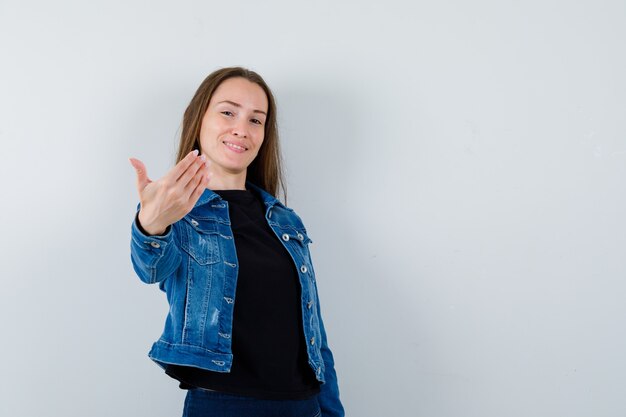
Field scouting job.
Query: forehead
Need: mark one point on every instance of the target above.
(241, 91)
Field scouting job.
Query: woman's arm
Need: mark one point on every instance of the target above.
(328, 398)
(154, 258)
(153, 252)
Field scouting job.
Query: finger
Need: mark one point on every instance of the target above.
(197, 192)
(195, 180)
(180, 168)
(142, 174)
(206, 168)
(189, 175)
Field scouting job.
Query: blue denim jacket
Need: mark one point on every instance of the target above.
(195, 264)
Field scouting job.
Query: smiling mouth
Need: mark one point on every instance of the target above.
(235, 147)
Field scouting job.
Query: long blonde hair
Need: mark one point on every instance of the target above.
(266, 170)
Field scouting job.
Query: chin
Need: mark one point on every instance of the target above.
(235, 169)
(237, 166)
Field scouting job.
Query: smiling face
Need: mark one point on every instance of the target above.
(233, 126)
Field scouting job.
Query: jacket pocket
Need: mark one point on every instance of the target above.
(200, 240)
(297, 242)
(292, 233)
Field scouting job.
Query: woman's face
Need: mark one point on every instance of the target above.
(233, 126)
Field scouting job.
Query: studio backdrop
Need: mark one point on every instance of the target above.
(460, 167)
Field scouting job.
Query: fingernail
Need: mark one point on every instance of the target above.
(203, 157)
(195, 152)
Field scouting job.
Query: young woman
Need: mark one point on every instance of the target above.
(244, 334)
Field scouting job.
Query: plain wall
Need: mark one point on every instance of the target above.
(460, 167)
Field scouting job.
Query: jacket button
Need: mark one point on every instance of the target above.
(285, 237)
(313, 340)
(300, 236)
(155, 245)
(195, 223)
(309, 304)
(303, 268)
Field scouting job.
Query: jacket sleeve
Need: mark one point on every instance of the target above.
(328, 398)
(154, 258)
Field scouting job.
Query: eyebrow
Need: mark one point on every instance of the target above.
(239, 105)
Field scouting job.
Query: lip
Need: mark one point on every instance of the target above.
(238, 145)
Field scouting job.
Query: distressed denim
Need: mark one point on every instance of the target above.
(195, 264)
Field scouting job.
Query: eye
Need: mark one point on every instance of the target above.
(256, 121)
(227, 113)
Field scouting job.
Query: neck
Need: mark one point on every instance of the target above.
(222, 180)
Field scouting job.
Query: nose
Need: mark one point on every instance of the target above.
(240, 129)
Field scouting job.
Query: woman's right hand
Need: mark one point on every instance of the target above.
(171, 197)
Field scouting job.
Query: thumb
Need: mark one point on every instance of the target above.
(142, 175)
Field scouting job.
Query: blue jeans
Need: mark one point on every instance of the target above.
(204, 403)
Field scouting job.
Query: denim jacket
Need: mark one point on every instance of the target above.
(195, 264)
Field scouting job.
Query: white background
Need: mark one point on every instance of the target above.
(460, 166)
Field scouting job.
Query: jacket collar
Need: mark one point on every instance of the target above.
(268, 199)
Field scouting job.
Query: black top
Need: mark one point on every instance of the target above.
(268, 344)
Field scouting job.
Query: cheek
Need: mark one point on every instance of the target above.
(261, 139)
(209, 131)
(259, 145)
(211, 123)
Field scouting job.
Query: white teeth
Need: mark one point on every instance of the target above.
(232, 145)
